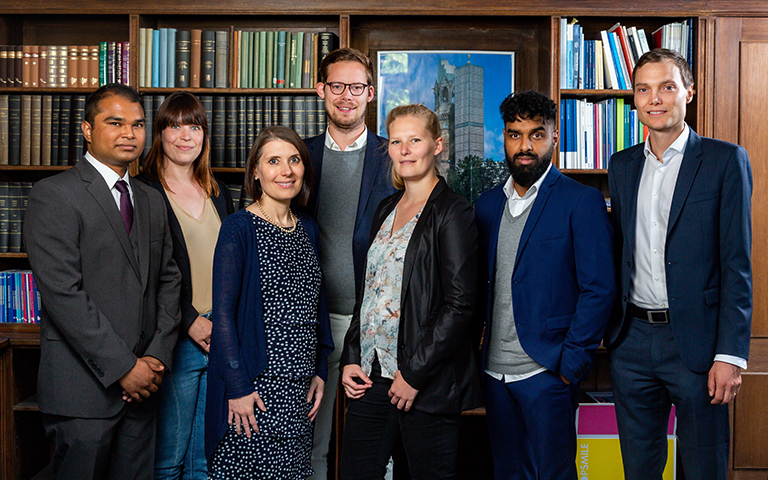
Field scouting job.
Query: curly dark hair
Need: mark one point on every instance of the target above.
(528, 105)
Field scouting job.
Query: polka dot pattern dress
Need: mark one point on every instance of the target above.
(290, 282)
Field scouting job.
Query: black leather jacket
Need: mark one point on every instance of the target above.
(434, 352)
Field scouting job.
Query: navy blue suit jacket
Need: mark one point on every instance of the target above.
(376, 185)
(563, 283)
(707, 253)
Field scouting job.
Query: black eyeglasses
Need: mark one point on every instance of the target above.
(356, 89)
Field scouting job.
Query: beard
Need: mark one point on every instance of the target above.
(527, 175)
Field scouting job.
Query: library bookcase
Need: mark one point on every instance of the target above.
(730, 62)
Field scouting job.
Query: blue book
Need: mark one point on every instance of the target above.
(163, 72)
(616, 61)
(155, 58)
(569, 65)
(570, 118)
(627, 129)
(563, 53)
(576, 56)
(171, 77)
(565, 136)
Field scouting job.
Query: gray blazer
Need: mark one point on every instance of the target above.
(107, 297)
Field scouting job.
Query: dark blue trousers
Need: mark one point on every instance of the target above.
(649, 376)
(532, 426)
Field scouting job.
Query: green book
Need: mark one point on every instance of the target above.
(262, 60)
(255, 68)
(280, 54)
(248, 60)
(270, 80)
(103, 63)
(293, 64)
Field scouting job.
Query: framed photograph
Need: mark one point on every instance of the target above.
(464, 89)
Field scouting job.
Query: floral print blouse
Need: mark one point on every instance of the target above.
(380, 310)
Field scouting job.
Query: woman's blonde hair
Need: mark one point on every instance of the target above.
(430, 121)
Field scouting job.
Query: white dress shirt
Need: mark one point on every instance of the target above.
(111, 177)
(654, 200)
(359, 142)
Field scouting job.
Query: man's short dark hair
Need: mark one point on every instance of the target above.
(94, 99)
(658, 55)
(346, 55)
(528, 105)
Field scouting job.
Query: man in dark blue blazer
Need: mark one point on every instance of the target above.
(350, 180)
(546, 263)
(681, 327)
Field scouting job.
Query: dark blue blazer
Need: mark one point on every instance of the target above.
(707, 254)
(376, 185)
(563, 283)
(238, 341)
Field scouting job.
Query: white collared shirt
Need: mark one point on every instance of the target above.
(111, 177)
(518, 204)
(654, 201)
(359, 142)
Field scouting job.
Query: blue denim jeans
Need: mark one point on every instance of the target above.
(180, 446)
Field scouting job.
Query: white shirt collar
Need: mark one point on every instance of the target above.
(359, 142)
(678, 146)
(109, 175)
(511, 193)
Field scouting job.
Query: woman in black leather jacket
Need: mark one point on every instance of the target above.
(408, 363)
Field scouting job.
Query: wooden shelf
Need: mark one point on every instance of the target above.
(27, 405)
(584, 171)
(13, 255)
(35, 168)
(568, 92)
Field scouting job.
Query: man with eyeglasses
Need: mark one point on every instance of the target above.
(351, 178)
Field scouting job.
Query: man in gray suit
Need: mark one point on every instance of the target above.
(100, 249)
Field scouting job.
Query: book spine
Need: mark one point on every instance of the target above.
(14, 238)
(262, 56)
(306, 66)
(146, 102)
(286, 111)
(115, 71)
(65, 107)
(5, 230)
(14, 129)
(250, 123)
(3, 129)
(73, 78)
(34, 66)
(217, 137)
(208, 58)
(155, 58)
(280, 73)
(26, 129)
(309, 107)
(171, 74)
(230, 139)
(242, 149)
(183, 51)
(222, 59)
(37, 130)
(195, 58)
(320, 113)
(26, 66)
(162, 80)
(148, 53)
(45, 134)
(78, 115)
(258, 117)
(207, 101)
(102, 63)
(125, 65)
(299, 116)
(293, 65)
(55, 112)
(327, 41)
(271, 81)
(3, 66)
(142, 56)
(93, 66)
(10, 62)
(19, 65)
(82, 66)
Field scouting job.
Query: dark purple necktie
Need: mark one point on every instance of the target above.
(126, 208)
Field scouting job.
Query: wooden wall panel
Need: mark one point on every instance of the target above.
(750, 423)
(753, 135)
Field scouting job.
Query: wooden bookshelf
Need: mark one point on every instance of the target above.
(730, 48)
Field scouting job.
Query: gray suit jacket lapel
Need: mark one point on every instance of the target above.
(103, 197)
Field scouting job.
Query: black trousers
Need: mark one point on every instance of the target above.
(373, 427)
(115, 448)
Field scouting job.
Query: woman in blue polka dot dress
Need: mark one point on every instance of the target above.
(271, 335)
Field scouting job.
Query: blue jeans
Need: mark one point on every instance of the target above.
(180, 446)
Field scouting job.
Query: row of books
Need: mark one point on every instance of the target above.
(590, 132)
(170, 58)
(235, 121)
(64, 66)
(13, 205)
(41, 129)
(279, 59)
(19, 297)
(608, 62)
